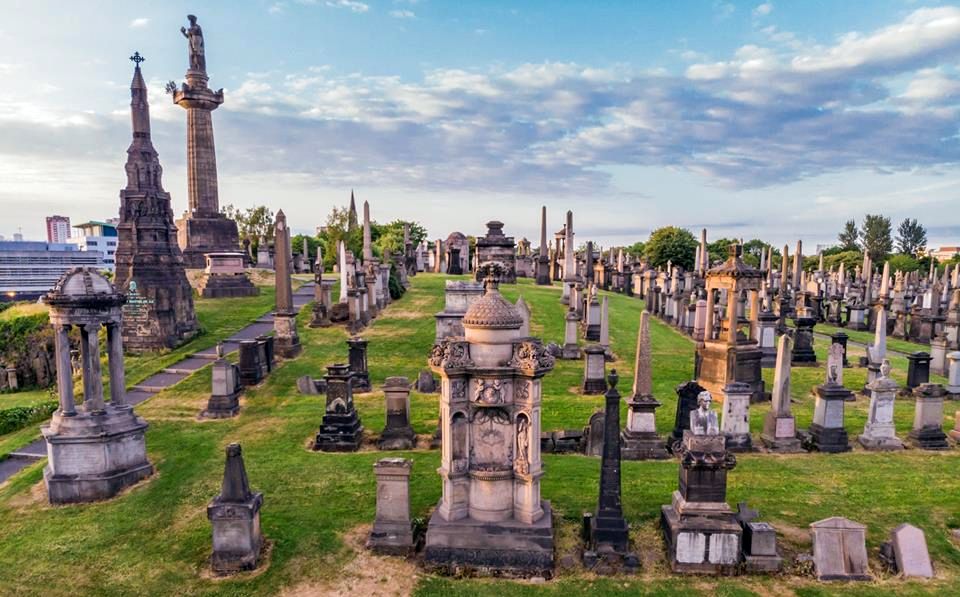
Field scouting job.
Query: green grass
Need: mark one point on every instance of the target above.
(155, 539)
(866, 338)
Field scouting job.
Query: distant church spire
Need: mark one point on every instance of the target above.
(352, 222)
(143, 163)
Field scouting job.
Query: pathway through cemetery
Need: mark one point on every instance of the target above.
(162, 380)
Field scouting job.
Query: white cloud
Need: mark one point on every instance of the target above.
(723, 10)
(277, 8)
(139, 22)
(351, 5)
(763, 10)
(402, 14)
(932, 86)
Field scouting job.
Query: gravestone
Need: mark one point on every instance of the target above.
(639, 439)
(803, 354)
(392, 532)
(759, 542)
(927, 433)
(687, 394)
(398, 434)
(779, 426)
(827, 432)
(224, 401)
(426, 382)
(571, 349)
(358, 364)
(841, 339)
(735, 422)
(908, 548)
(251, 365)
(953, 375)
(593, 370)
(918, 369)
(609, 545)
(593, 434)
(225, 277)
(496, 247)
(235, 516)
(309, 386)
(839, 549)
(285, 317)
(879, 432)
(341, 430)
(700, 530)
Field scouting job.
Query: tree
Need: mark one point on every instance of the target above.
(253, 224)
(911, 237)
(671, 244)
(752, 249)
(849, 236)
(904, 263)
(390, 236)
(718, 250)
(635, 250)
(875, 235)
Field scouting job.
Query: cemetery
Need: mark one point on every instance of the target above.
(370, 410)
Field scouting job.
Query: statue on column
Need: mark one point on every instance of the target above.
(194, 37)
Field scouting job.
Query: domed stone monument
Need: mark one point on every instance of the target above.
(97, 449)
(490, 517)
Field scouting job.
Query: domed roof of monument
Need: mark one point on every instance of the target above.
(456, 237)
(492, 311)
(79, 282)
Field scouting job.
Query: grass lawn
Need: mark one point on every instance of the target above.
(155, 539)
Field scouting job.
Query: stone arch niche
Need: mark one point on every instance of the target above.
(490, 516)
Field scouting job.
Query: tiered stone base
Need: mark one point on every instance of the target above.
(642, 446)
(222, 407)
(397, 439)
(701, 543)
(391, 538)
(508, 548)
(929, 438)
(594, 386)
(94, 456)
(339, 433)
(830, 440)
(226, 286)
(592, 333)
(198, 236)
(286, 340)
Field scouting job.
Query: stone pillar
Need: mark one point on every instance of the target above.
(827, 433)
(779, 426)
(341, 430)
(397, 434)
(358, 364)
(68, 406)
(571, 349)
(918, 370)
(879, 433)
(639, 438)
(927, 433)
(118, 384)
(953, 374)
(392, 533)
(92, 380)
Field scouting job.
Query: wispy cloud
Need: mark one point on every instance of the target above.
(351, 5)
(139, 22)
(402, 14)
(763, 10)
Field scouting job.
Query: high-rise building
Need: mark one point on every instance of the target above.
(98, 236)
(58, 229)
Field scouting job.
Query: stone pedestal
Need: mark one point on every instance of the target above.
(953, 375)
(357, 354)
(767, 338)
(918, 370)
(392, 532)
(927, 433)
(803, 354)
(496, 247)
(571, 349)
(287, 340)
(827, 433)
(593, 372)
(839, 549)
(938, 355)
(591, 330)
(735, 420)
(720, 363)
(398, 434)
(225, 277)
(322, 304)
(235, 516)
(252, 367)
(687, 394)
(700, 530)
(224, 401)
(341, 430)
(639, 439)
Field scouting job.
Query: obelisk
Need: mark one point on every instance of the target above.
(159, 312)
(543, 260)
(285, 317)
(203, 228)
(569, 261)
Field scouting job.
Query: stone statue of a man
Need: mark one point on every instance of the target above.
(703, 421)
(194, 35)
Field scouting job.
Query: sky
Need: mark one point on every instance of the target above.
(773, 120)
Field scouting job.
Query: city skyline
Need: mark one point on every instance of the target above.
(750, 119)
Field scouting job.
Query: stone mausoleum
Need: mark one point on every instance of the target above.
(490, 517)
(494, 246)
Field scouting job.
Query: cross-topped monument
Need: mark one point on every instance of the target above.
(137, 58)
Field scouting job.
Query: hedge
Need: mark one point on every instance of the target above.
(18, 417)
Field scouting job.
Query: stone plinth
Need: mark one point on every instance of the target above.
(735, 420)
(392, 532)
(398, 434)
(495, 247)
(593, 372)
(286, 338)
(571, 349)
(879, 432)
(839, 549)
(224, 401)
(458, 296)
(827, 433)
(341, 430)
(720, 363)
(225, 277)
(639, 438)
(235, 516)
(927, 433)
(803, 354)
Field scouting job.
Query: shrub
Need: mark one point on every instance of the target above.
(18, 417)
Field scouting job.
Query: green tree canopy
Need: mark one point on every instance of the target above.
(875, 235)
(671, 243)
(849, 237)
(911, 237)
(253, 223)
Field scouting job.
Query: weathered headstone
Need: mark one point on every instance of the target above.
(827, 432)
(639, 439)
(779, 426)
(593, 370)
(927, 433)
(392, 531)
(908, 548)
(839, 549)
(235, 516)
(879, 432)
(341, 430)
(358, 364)
(426, 382)
(687, 396)
(398, 434)
(735, 421)
(224, 401)
(593, 434)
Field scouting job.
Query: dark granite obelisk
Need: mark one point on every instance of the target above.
(285, 317)
(203, 229)
(159, 312)
(609, 533)
(543, 259)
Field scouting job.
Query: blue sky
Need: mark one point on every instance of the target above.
(777, 120)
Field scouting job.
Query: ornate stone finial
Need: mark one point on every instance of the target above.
(137, 58)
(492, 271)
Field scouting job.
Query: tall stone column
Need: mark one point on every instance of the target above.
(90, 357)
(543, 261)
(68, 405)
(285, 318)
(118, 383)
